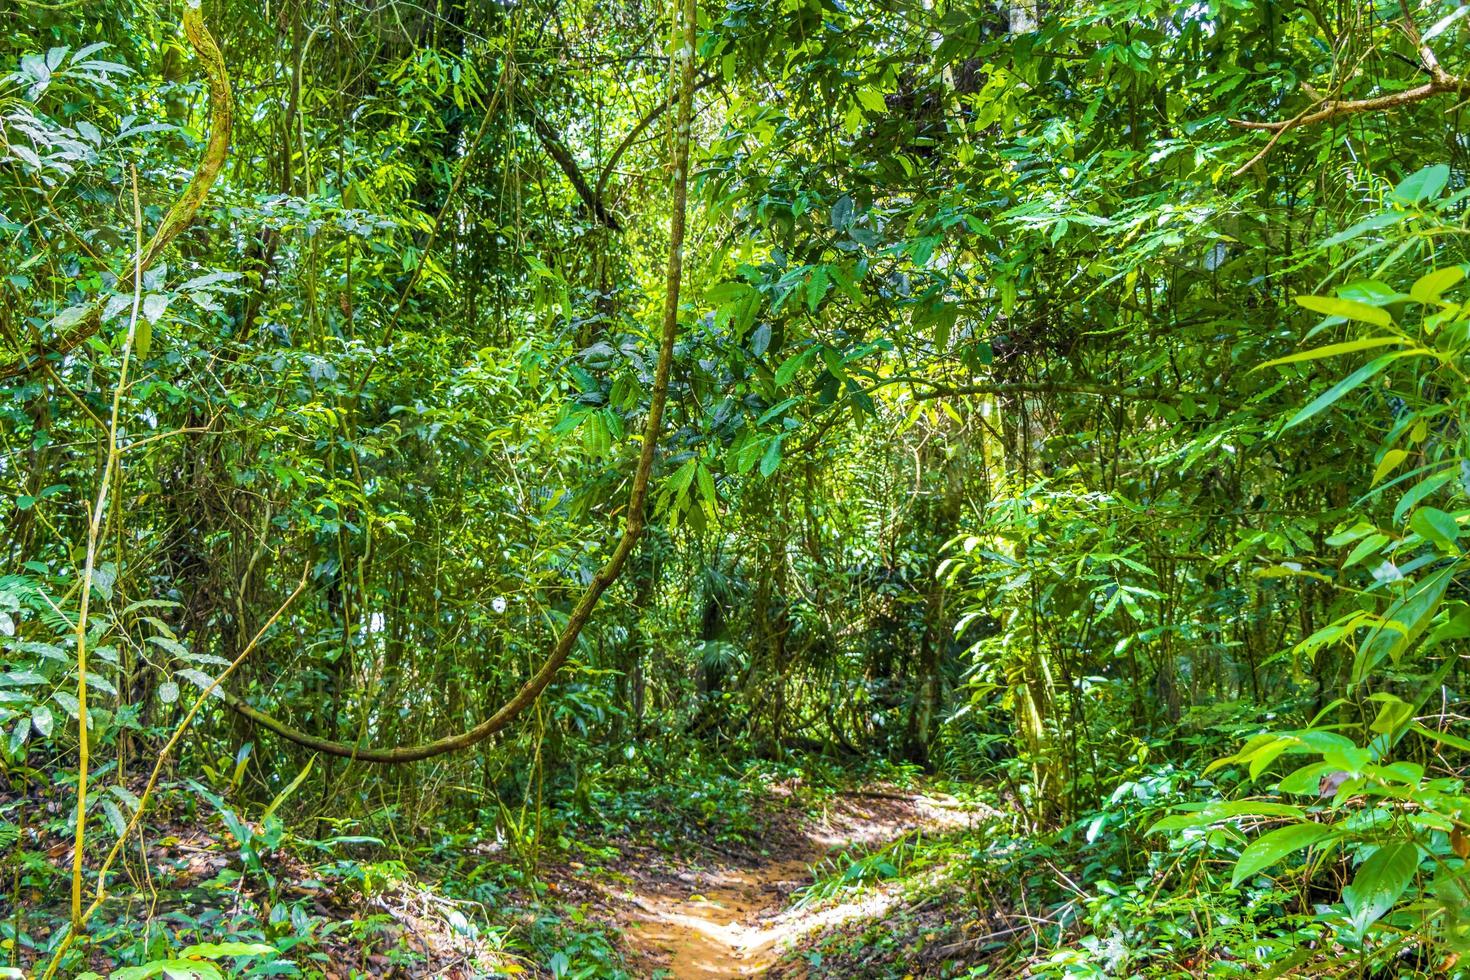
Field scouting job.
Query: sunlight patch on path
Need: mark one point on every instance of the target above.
(735, 923)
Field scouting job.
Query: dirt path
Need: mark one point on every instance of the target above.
(734, 919)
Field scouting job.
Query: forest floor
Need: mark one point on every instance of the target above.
(762, 878)
(739, 914)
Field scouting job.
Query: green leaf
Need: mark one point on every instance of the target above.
(1332, 350)
(1388, 464)
(817, 286)
(872, 100)
(115, 818)
(1235, 808)
(171, 969)
(772, 457)
(707, 487)
(682, 478)
(154, 306)
(1435, 525)
(21, 678)
(1349, 309)
(143, 338)
(1379, 882)
(1428, 287)
(1331, 395)
(291, 788)
(1444, 738)
(789, 367)
(724, 293)
(842, 213)
(41, 718)
(1391, 716)
(1421, 491)
(213, 951)
(1305, 781)
(1402, 623)
(1271, 847)
(1421, 184)
(70, 317)
(1371, 223)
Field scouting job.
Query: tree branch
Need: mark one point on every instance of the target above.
(1327, 110)
(563, 158)
(594, 197)
(627, 141)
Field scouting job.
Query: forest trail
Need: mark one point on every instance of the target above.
(734, 919)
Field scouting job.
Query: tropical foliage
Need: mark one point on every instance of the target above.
(431, 423)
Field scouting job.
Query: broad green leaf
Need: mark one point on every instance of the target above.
(1305, 781)
(115, 818)
(213, 951)
(771, 459)
(154, 306)
(841, 215)
(21, 678)
(1422, 184)
(1388, 464)
(1428, 287)
(1391, 716)
(1403, 621)
(1435, 525)
(1271, 847)
(725, 293)
(1379, 882)
(1421, 491)
(170, 969)
(791, 366)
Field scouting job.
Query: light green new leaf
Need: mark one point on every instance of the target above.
(1349, 309)
(1332, 350)
(283, 794)
(213, 951)
(1428, 287)
(1388, 464)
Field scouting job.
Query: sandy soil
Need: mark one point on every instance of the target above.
(734, 919)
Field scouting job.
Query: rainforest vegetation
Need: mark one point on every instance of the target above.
(694, 488)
